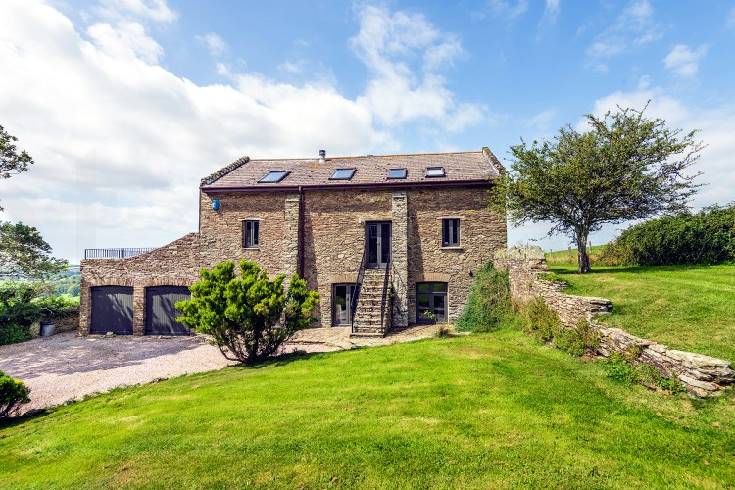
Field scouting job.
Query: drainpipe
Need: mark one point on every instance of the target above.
(301, 233)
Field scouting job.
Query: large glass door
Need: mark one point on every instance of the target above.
(378, 244)
(431, 302)
(342, 307)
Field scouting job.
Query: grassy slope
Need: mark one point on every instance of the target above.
(491, 410)
(685, 307)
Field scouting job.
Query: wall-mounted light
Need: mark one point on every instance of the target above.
(216, 204)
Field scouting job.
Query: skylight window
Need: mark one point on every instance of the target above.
(343, 174)
(273, 176)
(397, 173)
(435, 172)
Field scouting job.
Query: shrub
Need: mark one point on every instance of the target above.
(13, 394)
(12, 333)
(489, 303)
(620, 369)
(707, 237)
(24, 302)
(248, 316)
(578, 340)
(540, 321)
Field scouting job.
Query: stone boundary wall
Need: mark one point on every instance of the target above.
(701, 375)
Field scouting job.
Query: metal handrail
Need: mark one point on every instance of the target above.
(358, 286)
(114, 253)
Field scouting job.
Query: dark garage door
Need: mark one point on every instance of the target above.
(112, 310)
(161, 312)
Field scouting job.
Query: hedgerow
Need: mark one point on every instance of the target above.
(707, 237)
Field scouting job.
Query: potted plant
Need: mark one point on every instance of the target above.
(428, 316)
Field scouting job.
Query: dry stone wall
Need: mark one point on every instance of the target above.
(701, 375)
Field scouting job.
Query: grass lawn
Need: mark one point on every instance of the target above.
(492, 410)
(685, 307)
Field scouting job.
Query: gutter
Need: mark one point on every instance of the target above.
(371, 186)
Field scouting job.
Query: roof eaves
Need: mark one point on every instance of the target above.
(215, 176)
(484, 182)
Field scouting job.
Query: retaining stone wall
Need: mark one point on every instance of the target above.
(701, 375)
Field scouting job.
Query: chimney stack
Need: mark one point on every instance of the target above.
(322, 156)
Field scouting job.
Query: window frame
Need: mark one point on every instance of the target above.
(429, 175)
(448, 231)
(263, 181)
(351, 170)
(255, 232)
(431, 293)
(350, 290)
(401, 177)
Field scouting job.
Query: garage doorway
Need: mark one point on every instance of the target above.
(112, 310)
(161, 312)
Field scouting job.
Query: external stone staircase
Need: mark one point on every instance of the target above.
(372, 315)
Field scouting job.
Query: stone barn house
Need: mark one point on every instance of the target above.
(387, 241)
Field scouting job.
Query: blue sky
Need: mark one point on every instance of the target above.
(124, 104)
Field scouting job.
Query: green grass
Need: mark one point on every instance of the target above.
(481, 411)
(685, 307)
(569, 257)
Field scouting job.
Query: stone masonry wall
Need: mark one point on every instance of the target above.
(701, 375)
(482, 233)
(333, 243)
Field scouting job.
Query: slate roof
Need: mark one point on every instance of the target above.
(371, 170)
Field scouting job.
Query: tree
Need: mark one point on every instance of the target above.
(248, 316)
(24, 253)
(624, 167)
(11, 162)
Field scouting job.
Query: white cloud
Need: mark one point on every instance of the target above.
(684, 61)
(388, 43)
(120, 142)
(125, 40)
(635, 25)
(154, 10)
(731, 18)
(214, 43)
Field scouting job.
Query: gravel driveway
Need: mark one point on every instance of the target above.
(68, 367)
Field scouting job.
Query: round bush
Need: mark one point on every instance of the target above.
(13, 394)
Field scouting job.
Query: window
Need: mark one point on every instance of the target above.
(450, 232)
(273, 176)
(343, 303)
(251, 233)
(431, 302)
(343, 174)
(397, 173)
(435, 172)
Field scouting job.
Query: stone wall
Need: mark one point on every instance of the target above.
(482, 233)
(701, 375)
(323, 231)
